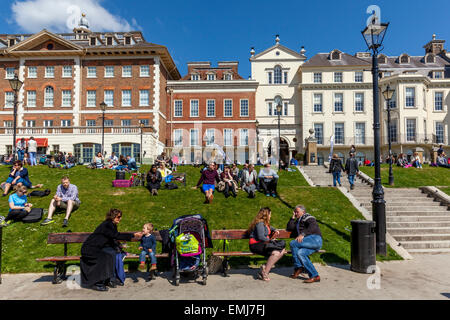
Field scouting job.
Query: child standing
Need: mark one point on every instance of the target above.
(148, 246)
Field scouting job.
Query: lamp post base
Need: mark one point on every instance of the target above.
(379, 216)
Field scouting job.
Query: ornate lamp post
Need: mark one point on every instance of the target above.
(15, 84)
(103, 108)
(257, 139)
(388, 93)
(374, 35)
(279, 105)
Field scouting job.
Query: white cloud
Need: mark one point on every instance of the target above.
(63, 15)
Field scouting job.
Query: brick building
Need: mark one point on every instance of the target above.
(210, 107)
(65, 79)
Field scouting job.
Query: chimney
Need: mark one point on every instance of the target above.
(435, 47)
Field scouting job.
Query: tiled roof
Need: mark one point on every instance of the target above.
(323, 60)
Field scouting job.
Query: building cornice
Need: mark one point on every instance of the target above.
(334, 86)
(251, 85)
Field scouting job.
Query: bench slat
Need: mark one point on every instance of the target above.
(75, 258)
(80, 237)
(239, 234)
(245, 253)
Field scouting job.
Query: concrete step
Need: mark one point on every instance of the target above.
(406, 204)
(417, 219)
(413, 208)
(418, 231)
(418, 213)
(368, 198)
(426, 244)
(429, 251)
(423, 237)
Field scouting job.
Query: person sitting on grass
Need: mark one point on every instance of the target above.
(8, 159)
(208, 177)
(122, 163)
(17, 177)
(98, 161)
(235, 172)
(442, 161)
(268, 180)
(283, 165)
(250, 181)
(165, 172)
(70, 161)
(154, 179)
(18, 207)
(241, 174)
(294, 162)
(147, 247)
(416, 161)
(228, 178)
(401, 161)
(131, 163)
(112, 161)
(66, 197)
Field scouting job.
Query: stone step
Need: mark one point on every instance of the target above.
(426, 244)
(368, 198)
(413, 208)
(406, 204)
(429, 251)
(423, 237)
(418, 219)
(417, 231)
(418, 213)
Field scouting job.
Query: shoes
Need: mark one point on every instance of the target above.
(340, 185)
(99, 287)
(65, 223)
(47, 221)
(234, 195)
(210, 199)
(111, 284)
(154, 192)
(311, 280)
(153, 267)
(262, 274)
(267, 194)
(297, 272)
(352, 187)
(142, 266)
(4, 223)
(274, 195)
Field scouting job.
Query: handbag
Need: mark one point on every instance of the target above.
(221, 186)
(275, 245)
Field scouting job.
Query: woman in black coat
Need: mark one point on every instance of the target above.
(336, 168)
(154, 179)
(98, 253)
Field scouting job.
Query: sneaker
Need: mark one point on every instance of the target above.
(153, 267)
(4, 224)
(267, 194)
(274, 195)
(142, 266)
(65, 223)
(47, 221)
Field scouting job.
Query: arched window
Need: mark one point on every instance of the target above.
(404, 58)
(277, 74)
(382, 59)
(336, 55)
(429, 58)
(48, 97)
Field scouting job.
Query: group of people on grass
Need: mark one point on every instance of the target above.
(62, 161)
(127, 163)
(231, 179)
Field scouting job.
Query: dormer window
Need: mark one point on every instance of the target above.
(382, 59)
(93, 41)
(438, 75)
(211, 76)
(127, 40)
(227, 76)
(12, 42)
(404, 58)
(195, 77)
(109, 41)
(335, 55)
(429, 58)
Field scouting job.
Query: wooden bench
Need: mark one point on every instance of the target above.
(240, 234)
(59, 274)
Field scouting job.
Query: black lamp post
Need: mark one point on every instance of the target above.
(374, 35)
(15, 84)
(141, 125)
(257, 139)
(388, 93)
(103, 108)
(278, 102)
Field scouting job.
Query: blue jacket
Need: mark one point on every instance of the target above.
(148, 242)
(23, 174)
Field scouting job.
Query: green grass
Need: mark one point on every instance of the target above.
(412, 177)
(23, 243)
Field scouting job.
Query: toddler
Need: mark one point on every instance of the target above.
(148, 246)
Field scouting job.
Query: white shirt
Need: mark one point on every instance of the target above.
(32, 146)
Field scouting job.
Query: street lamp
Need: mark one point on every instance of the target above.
(141, 125)
(388, 93)
(374, 35)
(15, 84)
(103, 106)
(278, 103)
(257, 139)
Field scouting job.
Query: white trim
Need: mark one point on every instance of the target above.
(212, 121)
(212, 90)
(113, 111)
(77, 76)
(162, 115)
(156, 94)
(114, 57)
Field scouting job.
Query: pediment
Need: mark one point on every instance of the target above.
(44, 41)
(278, 51)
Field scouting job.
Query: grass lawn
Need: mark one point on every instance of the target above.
(412, 177)
(23, 243)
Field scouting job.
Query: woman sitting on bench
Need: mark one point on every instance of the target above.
(261, 234)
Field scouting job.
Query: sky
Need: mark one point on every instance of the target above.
(200, 30)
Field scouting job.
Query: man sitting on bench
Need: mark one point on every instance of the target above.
(66, 198)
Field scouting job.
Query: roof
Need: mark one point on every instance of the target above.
(415, 62)
(322, 60)
(281, 47)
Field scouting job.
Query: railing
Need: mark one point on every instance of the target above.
(369, 141)
(74, 130)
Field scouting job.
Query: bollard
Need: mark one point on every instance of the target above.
(363, 248)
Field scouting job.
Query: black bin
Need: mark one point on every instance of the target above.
(363, 250)
(120, 175)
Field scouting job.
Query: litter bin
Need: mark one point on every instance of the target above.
(363, 249)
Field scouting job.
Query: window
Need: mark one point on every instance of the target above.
(91, 98)
(109, 41)
(126, 98)
(228, 108)
(285, 77)
(410, 129)
(338, 102)
(410, 97)
(91, 72)
(210, 108)
(67, 71)
(145, 122)
(438, 97)
(269, 79)
(358, 76)
(387, 74)
(269, 108)
(65, 123)
(243, 137)
(31, 98)
(49, 72)
(32, 72)
(338, 77)
(211, 76)
(339, 133)
(438, 75)
(93, 41)
(404, 59)
(126, 71)
(178, 137)
(127, 40)
(439, 132)
(318, 132)
(178, 108)
(195, 77)
(145, 71)
(227, 76)
(227, 137)
(48, 123)
(30, 123)
(285, 108)
(126, 123)
(194, 108)
(10, 72)
(9, 99)
(393, 131)
(277, 75)
(360, 133)
(143, 98)
(359, 102)
(317, 102)
(8, 123)
(66, 98)
(209, 137)
(109, 98)
(109, 71)
(48, 97)
(193, 137)
(317, 77)
(109, 123)
(244, 108)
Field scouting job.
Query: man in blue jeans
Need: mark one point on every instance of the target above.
(308, 240)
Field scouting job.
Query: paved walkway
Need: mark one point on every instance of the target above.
(425, 277)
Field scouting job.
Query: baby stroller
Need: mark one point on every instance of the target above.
(188, 234)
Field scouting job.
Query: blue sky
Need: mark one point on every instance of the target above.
(199, 30)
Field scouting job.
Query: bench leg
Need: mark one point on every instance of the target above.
(225, 267)
(59, 273)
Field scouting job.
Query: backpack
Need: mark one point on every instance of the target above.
(171, 186)
(39, 193)
(35, 215)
